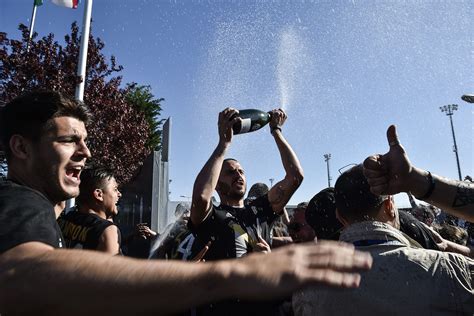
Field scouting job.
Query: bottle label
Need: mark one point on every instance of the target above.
(246, 124)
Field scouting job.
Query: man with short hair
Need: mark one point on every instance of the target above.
(236, 229)
(321, 215)
(89, 227)
(44, 136)
(298, 228)
(404, 280)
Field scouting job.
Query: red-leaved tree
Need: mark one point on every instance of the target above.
(119, 133)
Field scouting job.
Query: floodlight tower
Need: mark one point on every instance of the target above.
(327, 157)
(449, 110)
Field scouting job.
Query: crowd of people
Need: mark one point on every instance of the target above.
(348, 250)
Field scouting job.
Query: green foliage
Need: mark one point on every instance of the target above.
(143, 99)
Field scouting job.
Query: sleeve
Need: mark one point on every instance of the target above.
(25, 218)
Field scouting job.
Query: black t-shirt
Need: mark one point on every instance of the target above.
(176, 243)
(234, 231)
(26, 215)
(82, 231)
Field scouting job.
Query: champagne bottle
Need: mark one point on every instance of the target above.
(252, 120)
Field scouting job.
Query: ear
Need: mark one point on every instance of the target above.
(98, 194)
(20, 146)
(389, 207)
(341, 218)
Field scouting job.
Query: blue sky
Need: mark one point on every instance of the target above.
(343, 70)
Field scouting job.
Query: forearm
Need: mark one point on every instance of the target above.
(289, 159)
(456, 248)
(206, 182)
(104, 284)
(454, 197)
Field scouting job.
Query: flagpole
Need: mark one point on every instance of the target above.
(81, 69)
(32, 25)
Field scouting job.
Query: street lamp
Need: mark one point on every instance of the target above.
(271, 181)
(449, 110)
(326, 159)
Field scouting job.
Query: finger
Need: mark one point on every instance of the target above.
(380, 189)
(377, 181)
(370, 173)
(392, 136)
(202, 253)
(263, 241)
(326, 245)
(336, 278)
(347, 260)
(372, 163)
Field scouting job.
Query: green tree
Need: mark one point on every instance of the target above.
(143, 99)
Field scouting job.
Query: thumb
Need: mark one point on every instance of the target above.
(392, 136)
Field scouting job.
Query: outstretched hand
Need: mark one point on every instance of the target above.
(292, 267)
(388, 173)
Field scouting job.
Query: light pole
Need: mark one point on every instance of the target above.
(271, 181)
(326, 159)
(449, 110)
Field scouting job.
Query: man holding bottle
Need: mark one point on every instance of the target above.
(233, 228)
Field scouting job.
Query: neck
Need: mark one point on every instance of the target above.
(89, 210)
(232, 202)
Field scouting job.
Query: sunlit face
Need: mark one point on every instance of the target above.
(110, 196)
(299, 229)
(57, 159)
(232, 182)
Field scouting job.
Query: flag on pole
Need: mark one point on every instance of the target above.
(38, 2)
(72, 4)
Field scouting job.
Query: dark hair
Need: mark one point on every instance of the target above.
(452, 233)
(321, 215)
(29, 115)
(257, 190)
(230, 159)
(92, 178)
(354, 200)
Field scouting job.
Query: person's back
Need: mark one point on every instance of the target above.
(82, 230)
(403, 280)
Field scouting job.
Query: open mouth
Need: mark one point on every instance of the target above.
(74, 173)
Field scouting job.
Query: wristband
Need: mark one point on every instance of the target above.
(274, 129)
(431, 188)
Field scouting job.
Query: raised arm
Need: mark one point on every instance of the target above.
(206, 180)
(393, 172)
(280, 193)
(35, 278)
